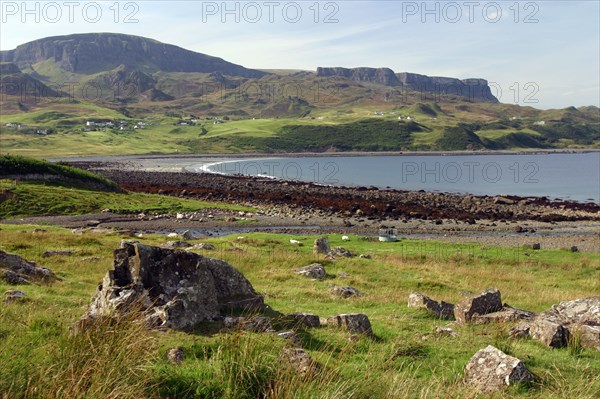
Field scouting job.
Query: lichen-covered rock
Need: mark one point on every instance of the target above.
(291, 337)
(304, 320)
(174, 289)
(316, 271)
(354, 323)
(16, 270)
(490, 370)
(321, 246)
(555, 327)
(441, 309)
(486, 302)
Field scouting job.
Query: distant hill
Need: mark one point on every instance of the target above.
(96, 52)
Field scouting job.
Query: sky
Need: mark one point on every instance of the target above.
(544, 54)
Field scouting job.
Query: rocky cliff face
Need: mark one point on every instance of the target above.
(471, 89)
(384, 76)
(96, 52)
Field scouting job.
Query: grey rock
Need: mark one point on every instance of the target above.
(486, 302)
(48, 254)
(300, 361)
(364, 256)
(536, 246)
(187, 235)
(16, 270)
(174, 289)
(555, 327)
(346, 292)
(204, 245)
(291, 337)
(14, 296)
(354, 323)
(175, 356)
(321, 246)
(441, 309)
(316, 271)
(177, 244)
(304, 320)
(507, 314)
(340, 252)
(445, 331)
(490, 370)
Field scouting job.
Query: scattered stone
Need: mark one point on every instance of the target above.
(180, 216)
(486, 302)
(574, 249)
(291, 337)
(536, 246)
(48, 254)
(204, 245)
(16, 270)
(490, 370)
(172, 235)
(555, 327)
(353, 323)
(177, 244)
(187, 235)
(321, 246)
(518, 229)
(92, 223)
(304, 320)
(341, 253)
(175, 356)
(300, 361)
(445, 331)
(364, 256)
(343, 275)
(316, 271)
(346, 292)
(14, 296)
(507, 314)
(443, 310)
(175, 289)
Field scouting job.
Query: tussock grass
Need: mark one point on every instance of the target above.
(407, 360)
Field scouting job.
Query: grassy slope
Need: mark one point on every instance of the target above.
(67, 119)
(399, 364)
(30, 198)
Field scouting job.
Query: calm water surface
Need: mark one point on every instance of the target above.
(566, 176)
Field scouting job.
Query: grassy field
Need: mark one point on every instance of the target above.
(39, 198)
(40, 360)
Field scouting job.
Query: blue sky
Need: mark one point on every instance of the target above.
(540, 53)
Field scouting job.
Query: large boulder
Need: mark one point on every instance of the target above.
(486, 302)
(173, 289)
(555, 327)
(16, 270)
(443, 310)
(304, 320)
(490, 370)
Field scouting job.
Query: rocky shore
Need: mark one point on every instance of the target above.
(304, 208)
